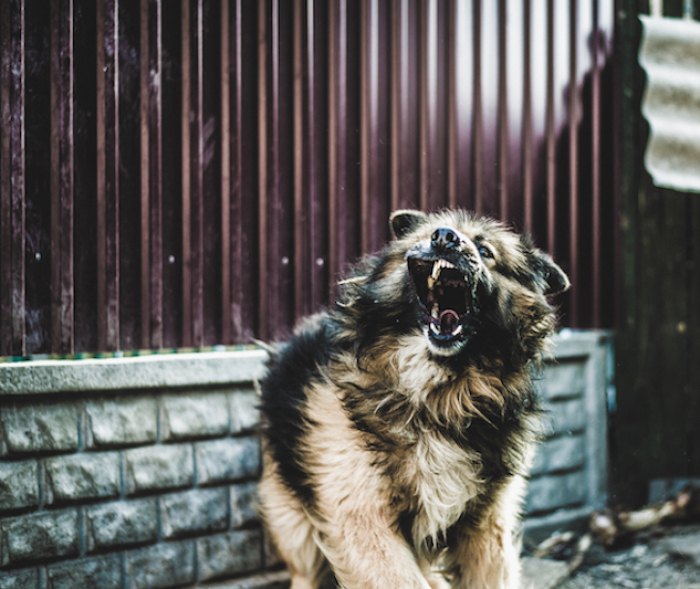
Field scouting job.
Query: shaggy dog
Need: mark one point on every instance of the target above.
(398, 425)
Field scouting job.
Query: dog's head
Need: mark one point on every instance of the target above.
(471, 277)
(474, 289)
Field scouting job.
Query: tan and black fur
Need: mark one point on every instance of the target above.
(398, 425)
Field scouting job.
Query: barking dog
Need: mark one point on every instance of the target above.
(399, 424)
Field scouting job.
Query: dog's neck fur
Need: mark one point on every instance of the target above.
(399, 378)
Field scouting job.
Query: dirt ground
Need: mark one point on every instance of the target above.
(665, 557)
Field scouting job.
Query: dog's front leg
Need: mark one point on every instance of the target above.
(366, 553)
(484, 558)
(486, 554)
(486, 563)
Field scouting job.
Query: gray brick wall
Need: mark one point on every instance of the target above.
(141, 473)
(569, 473)
(134, 484)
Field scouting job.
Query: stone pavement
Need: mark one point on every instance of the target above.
(667, 559)
(542, 573)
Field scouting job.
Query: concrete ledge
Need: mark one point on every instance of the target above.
(571, 343)
(182, 370)
(142, 372)
(273, 580)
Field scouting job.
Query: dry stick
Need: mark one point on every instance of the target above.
(608, 526)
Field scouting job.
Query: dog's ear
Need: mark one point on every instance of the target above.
(404, 221)
(553, 279)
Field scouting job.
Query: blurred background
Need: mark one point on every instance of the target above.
(192, 176)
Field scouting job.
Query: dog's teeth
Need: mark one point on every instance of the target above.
(431, 282)
(436, 270)
(435, 313)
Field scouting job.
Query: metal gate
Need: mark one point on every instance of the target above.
(199, 173)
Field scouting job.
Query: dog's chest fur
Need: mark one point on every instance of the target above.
(438, 480)
(439, 456)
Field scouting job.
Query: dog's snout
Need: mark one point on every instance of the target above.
(445, 238)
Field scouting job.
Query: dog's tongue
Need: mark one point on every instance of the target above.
(448, 320)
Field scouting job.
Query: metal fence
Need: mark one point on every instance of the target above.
(185, 174)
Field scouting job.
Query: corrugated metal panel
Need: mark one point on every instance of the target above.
(670, 54)
(204, 175)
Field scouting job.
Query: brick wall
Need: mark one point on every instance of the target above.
(141, 473)
(129, 487)
(568, 479)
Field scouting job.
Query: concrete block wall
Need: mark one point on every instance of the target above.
(140, 473)
(568, 479)
(147, 480)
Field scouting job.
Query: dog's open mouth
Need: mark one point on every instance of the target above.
(444, 297)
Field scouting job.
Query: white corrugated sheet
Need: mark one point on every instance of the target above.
(670, 54)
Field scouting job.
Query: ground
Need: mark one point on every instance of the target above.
(666, 557)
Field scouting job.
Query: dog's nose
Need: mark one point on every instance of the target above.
(445, 239)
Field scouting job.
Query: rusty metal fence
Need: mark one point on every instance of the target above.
(185, 174)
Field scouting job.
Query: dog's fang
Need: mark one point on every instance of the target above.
(436, 270)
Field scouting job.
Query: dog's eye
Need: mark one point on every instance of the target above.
(485, 252)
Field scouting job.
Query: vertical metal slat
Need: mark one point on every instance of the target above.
(503, 136)
(368, 45)
(550, 149)
(226, 326)
(107, 174)
(263, 50)
(196, 118)
(397, 19)
(151, 175)
(344, 143)
(301, 229)
(433, 106)
(277, 259)
(155, 171)
(308, 158)
(404, 88)
(527, 141)
(375, 192)
(452, 118)
(573, 165)
(316, 167)
(477, 116)
(335, 183)
(595, 172)
(144, 123)
(244, 193)
(464, 73)
(62, 177)
(424, 102)
(209, 247)
(12, 180)
(192, 176)
(276, 169)
(281, 171)
(187, 335)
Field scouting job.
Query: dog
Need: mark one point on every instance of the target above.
(398, 425)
